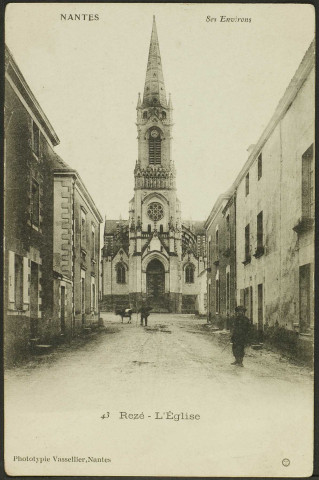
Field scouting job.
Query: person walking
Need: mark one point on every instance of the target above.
(240, 335)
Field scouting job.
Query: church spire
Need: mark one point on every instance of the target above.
(154, 89)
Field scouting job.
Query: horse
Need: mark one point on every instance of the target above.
(125, 312)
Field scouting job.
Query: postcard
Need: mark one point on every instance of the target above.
(159, 239)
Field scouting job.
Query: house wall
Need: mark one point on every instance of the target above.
(222, 260)
(86, 262)
(278, 195)
(22, 237)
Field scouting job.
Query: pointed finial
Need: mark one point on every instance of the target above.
(139, 100)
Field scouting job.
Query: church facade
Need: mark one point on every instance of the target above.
(154, 255)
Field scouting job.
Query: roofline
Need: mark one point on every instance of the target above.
(301, 74)
(73, 173)
(26, 91)
(216, 208)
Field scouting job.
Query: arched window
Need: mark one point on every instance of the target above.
(145, 114)
(163, 115)
(189, 273)
(120, 273)
(154, 146)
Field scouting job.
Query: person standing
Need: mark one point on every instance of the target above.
(145, 312)
(240, 335)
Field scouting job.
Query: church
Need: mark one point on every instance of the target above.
(154, 256)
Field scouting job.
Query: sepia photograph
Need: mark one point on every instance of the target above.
(159, 227)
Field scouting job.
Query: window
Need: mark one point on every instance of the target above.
(145, 114)
(247, 184)
(307, 184)
(149, 228)
(260, 231)
(120, 273)
(163, 115)
(260, 166)
(35, 203)
(217, 243)
(18, 282)
(155, 211)
(83, 229)
(228, 231)
(155, 147)
(161, 228)
(93, 243)
(247, 242)
(35, 138)
(189, 274)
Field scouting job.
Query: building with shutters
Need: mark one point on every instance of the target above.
(275, 212)
(154, 254)
(221, 259)
(43, 253)
(273, 219)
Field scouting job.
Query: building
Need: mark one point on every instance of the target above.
(275, 212)
(154, 254)
(39, 297)
(274, 218)
(76, 250)
(221, 259)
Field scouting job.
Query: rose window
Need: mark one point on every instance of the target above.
(155, 211)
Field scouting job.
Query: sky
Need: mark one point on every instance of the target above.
(225, 78)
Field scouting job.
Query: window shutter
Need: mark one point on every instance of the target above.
(11, 277)
(242, 297)
(25, 281)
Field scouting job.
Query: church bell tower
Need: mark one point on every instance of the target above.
(155, 250)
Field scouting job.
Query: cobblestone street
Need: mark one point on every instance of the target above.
(258, 415)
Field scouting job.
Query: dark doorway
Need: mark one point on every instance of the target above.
(34, 299)
(83, 299)
(304, 298)
(260, 307)
(260, 299)
(155, 284)
(62, 309)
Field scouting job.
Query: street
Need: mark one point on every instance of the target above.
(121, 394)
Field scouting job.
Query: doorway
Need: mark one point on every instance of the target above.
(260, 307)
(304, 298)
(62, 309)
(34, 299)
(155, 284)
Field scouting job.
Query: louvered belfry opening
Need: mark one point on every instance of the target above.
(155, 150)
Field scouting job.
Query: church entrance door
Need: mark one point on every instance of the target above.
(155, 285)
